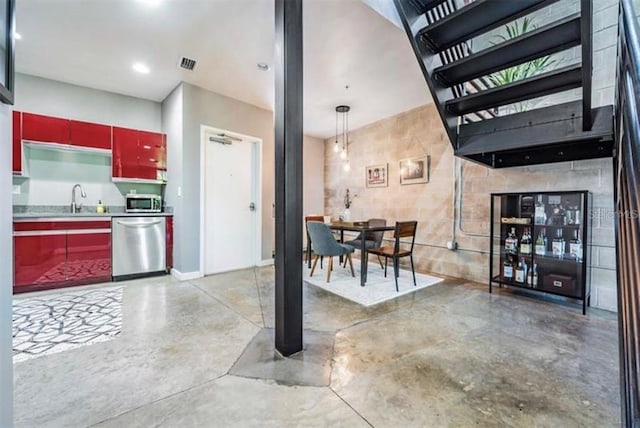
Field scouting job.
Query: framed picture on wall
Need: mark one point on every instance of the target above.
(415, 170)
(377, 175)
(7, 11)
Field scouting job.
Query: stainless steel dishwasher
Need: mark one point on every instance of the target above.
(138, 246)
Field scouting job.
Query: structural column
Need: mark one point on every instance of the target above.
(288, 148)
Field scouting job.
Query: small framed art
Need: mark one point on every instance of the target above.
(415, 170)
(377, 175)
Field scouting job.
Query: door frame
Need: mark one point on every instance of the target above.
(257, 188)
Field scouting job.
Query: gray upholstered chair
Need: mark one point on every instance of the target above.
(325, 245)
(373, 239)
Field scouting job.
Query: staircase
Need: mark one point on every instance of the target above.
(471, 104)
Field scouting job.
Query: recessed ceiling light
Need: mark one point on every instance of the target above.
(263, 66)
(17, 35)
(141, 68)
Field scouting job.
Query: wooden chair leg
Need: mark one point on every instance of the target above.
(380, 261)
(329, 269)
(315, 262)
(385, 266)
(413, 271)
(353, 274)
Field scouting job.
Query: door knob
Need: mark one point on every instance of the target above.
(252, 206)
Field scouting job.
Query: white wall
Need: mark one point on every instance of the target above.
(312, 177)
(6, 272)
(51, 97)
(202, 107)
(172, 121)
(52, 174)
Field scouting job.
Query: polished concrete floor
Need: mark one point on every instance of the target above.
(198, 353)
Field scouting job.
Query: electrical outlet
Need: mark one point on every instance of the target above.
(452, 245)
(179, 191)
(16, 189)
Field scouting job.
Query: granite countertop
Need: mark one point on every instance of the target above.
(58, 211)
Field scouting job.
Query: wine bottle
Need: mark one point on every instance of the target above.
(558, 245)
(575, 247)
(534, 279)
(507, 269)
(541, 245)
(520, 273)
(540, 216)
(525, 243)
(511, 243)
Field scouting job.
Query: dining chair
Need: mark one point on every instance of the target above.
(372, 239)
(325, 245)
(307, 219)
(404, 229)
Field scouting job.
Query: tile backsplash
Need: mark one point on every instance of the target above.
(53, 173)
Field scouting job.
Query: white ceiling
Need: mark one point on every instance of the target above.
(93, 43)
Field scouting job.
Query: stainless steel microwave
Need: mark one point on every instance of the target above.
(140, 203)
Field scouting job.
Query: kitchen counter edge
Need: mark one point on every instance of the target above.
(68, 216)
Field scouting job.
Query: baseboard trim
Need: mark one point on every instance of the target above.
(185, 276)
(267, 262)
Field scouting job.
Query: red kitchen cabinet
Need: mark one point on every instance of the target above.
(139, 155)
(46, 129)
(56, 254)
(17, 142)
(150, 154)
(39, 261)
(125, 153)
(169, 242)
(91, 135)
(89, 257)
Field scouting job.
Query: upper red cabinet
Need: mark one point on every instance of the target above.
(46, 129)
(92, 135)
(125, 153)
(139, 155)
(17, 142)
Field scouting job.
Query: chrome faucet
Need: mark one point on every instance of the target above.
(75, 207)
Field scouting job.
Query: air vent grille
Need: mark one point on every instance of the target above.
(187, 63)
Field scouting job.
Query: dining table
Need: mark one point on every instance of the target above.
(364, 229)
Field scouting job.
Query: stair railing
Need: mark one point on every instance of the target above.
(627, 200)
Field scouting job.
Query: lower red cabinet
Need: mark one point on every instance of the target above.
(89, 256)
(56, 254)
(39, 261)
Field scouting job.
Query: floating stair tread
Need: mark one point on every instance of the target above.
(552, 38)
(423, 6)
(476, 18)
(559, 80)
(560, 123)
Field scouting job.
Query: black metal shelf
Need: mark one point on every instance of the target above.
(523, 285)
(568, 274)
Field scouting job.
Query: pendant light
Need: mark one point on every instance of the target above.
(341, 144)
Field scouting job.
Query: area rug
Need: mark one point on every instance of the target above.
(378, 289)
(57, 322)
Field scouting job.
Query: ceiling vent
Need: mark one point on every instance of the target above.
(187, 63)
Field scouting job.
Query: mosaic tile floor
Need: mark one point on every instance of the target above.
(61, 321)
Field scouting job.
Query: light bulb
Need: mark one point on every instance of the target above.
(343, 154)
(347, 167)
(336, 148)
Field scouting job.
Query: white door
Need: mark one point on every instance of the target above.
(230, 205)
